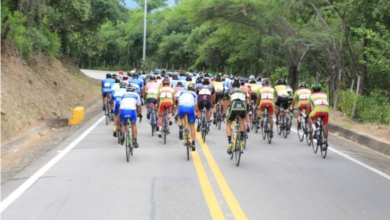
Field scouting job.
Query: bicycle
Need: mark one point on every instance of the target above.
(204, 126)
(283, 123)
(153, 120)
(128, 139)
(266, 126)
(107, 111)
(165, 128)
(320, 138)
(219, 116)
(237, 146)
(187, 139)
(118, 128)
(303, 128)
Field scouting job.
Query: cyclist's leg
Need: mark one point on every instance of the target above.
(133, 125)
(191, 121)
(230, 118)
(104, 100)
(180, 114)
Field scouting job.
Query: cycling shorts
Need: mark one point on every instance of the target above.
(204, 104)
(127, 112)
(163, 105)
(320, 111)
(282, 101)
(117, 104)
(264, 104)
(106, 94)
(238, 109)
(254, 97)
(219, 97)
(302, 106)
(153, 100)
(189, 111)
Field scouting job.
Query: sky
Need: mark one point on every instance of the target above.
(132, 4)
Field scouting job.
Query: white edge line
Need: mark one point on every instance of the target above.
(356, 161)
(21, 189)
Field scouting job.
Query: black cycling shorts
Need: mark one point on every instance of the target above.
(203, 104)
(238, 108)
(219, 97)
(282, 101)
(254, 97)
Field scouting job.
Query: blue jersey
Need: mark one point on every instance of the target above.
(141, 77)
(174, 83)
(137, 88)
(182, 78)
(138, 82)
(106, 85)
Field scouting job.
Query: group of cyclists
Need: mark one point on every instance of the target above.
(186, 95)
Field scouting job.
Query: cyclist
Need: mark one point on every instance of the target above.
(117, 95)
(290, 95)
(318, 103)
(259, 80)
(151, 89)
(255, 90)
(266, 98)
(129, 106)
(174, 80)
(282, 97)
(115, 86)
(165, 98)
(188, 105)
(302, 95)
(187, 81)
(106, 88)
(139, 85)
(199, 81)
(236, 97)
(248, 101)
(206, 95)
(125, 78)
(219, 94)
(178, 89)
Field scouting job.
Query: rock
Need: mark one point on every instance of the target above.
(3, 111)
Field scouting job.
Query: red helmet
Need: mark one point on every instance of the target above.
(165, 81)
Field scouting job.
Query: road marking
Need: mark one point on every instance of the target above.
(225, 189)
(356, 161)
(208, 192)
(21, 189)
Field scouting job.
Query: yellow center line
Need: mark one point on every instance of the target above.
(225, 189)
(208, 192)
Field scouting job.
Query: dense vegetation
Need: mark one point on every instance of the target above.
(313, 40)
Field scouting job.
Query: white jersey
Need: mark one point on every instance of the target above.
(129, 101)
(188, 98)
(115, 86)
(119, 92)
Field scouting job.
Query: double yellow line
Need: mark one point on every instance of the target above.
(212, 202)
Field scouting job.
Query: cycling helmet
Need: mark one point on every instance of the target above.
(179, 84)
(117, 79)
(206, 81)
(242, 82)
(175, 77)
(302, 85)
(125, 77)
(252, 81)
(135, 75)
(231, 76)
(122, 85)
(152, 78)
(283, 81)
(108, 76)
(278, 82)
(129, 74)
(165, 81)
(259, 79)
(218, 78)
(189, 78)
(199, 80)
(251, 77)
(130, 88)
(265, 81)
(236, 82)
(191, 87)
(316, 87)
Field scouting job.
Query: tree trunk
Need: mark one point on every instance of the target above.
(364, 67)
(293, 76)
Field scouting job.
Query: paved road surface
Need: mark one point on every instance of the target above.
(284, 180)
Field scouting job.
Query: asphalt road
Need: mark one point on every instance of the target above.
(87, 177)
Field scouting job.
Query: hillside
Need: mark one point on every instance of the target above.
(43, 88)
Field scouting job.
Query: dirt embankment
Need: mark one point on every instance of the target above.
(43, 88)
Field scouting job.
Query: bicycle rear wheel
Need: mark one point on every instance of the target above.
(323, 147)
(309, 140)
(187, 144)
(165, 134)
(263, 129)
(269, 138)
(314, 145)
(279, 126)
(238, 152)
(285, 132)
(203, 135)
(300, 132)
(127, 146)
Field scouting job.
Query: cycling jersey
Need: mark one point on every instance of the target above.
(187, 102)
(219, 87)
(282, 96)
(114, 87)
(128, 106)
(302, 96)
(267, 98)
(205, 92)
(117, 94)
(166, 95)
(138, 82)
(151, 90)
(320, 106)
(238, 99)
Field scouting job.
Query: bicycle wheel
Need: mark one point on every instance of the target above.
(256, 125)
(314, 145)
(300, 132)
(269, 138)
(263, 129)
(238, 152)
(323, 146)
(165, 134)
(219, 122)
(127, 146)
(244, 145)
(203, 135)
(309, 140)
(285, 132)
(187, 143)
(279, 126)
